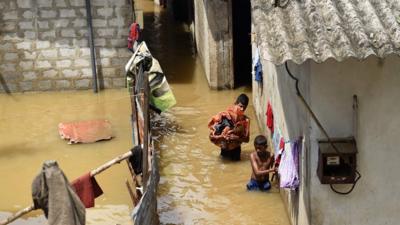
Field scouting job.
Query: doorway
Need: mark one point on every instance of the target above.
(241, 35)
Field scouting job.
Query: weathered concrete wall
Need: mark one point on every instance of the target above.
(328, 88)
(44, 44)
(376, 82)
(290, 121)
(213, 35)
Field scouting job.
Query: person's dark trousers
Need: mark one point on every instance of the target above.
(233, 154)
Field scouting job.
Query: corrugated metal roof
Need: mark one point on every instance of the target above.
(322, 29)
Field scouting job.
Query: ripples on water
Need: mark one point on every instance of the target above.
(196, 185)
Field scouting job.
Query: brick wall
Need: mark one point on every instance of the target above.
(44, 44)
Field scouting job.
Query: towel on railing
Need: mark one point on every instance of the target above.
(87, 188)
(136, 159)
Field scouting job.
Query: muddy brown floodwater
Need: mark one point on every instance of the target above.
(196, 185)
(29, 136)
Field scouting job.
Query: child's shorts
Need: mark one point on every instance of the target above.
(254, 185)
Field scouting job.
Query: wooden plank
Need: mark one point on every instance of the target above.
(146, 121)
(133, 197)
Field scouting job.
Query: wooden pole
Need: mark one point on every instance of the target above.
(108, 164)
(133, 175)
(146, 130)
(135, 124)
(134, 115)
(91, 45)
(18, 215)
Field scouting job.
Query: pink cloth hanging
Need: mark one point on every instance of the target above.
(289, 166)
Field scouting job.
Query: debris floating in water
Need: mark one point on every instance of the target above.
(85, 131)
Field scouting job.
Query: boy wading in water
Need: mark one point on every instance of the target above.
(230, 128)
(261, 161)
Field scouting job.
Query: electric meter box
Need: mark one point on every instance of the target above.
(334, 168)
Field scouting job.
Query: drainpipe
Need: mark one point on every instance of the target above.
(91, 44)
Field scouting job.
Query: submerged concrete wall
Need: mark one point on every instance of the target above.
(44, 44)
(213, 36)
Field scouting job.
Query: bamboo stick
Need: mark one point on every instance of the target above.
(18, 215)
(108, 164)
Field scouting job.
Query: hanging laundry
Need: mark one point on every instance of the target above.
(257, 67)
(281, 145)
(278, 155)
(161, 96)
(133, 37)
(276, 137)
(270, 117)
(288, 169)
(52, 193)
(87, 188)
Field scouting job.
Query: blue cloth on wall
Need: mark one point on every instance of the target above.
(257, 67)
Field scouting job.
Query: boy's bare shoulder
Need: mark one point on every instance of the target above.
(253, 156)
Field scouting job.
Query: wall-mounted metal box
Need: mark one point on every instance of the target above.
(335, 169)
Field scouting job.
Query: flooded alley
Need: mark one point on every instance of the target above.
(322, 78)
(196, 185)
